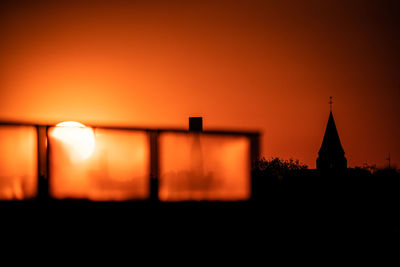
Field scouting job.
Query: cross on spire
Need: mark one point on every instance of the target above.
(330, 103)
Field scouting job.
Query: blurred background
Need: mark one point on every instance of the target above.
(247, 65)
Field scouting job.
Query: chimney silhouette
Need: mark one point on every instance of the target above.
(195, 124)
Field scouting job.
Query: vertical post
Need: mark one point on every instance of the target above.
(43, 182)
(254, 156)
(154, 165)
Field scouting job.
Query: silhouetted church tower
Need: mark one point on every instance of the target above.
(331, 154)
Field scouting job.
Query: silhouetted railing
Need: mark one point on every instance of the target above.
(128, 164)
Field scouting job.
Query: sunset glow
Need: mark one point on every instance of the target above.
(214, 120)
(198, 167)
(117, 168)
(268, 66)
(18, 162)
(78, 138)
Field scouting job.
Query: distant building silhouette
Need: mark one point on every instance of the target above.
(331, 154)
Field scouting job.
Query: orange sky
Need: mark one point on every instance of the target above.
(239, 64)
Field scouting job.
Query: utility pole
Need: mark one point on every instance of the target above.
(388, 159)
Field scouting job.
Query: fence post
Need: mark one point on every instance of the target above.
(43, 179)
(154, 165)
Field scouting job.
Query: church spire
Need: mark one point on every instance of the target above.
(331, 142)
(331, 153)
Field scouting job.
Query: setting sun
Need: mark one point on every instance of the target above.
(77, 137)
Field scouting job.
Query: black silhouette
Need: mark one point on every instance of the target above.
(287, 198)
(331, 153)
(196, 124)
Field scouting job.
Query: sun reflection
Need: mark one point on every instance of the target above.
(77, 137)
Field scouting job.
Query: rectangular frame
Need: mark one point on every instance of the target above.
(153, 135)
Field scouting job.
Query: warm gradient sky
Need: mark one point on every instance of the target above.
(240, 64)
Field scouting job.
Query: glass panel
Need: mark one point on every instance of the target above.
(99, 165)
(195, 167)
(18, 162)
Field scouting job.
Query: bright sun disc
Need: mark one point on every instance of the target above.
(77, 137)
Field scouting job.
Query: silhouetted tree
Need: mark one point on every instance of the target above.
(367, 167)
(277, 168)
(268, 176)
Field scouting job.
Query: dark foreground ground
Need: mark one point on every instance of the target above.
(295, 205)
(312, 215)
